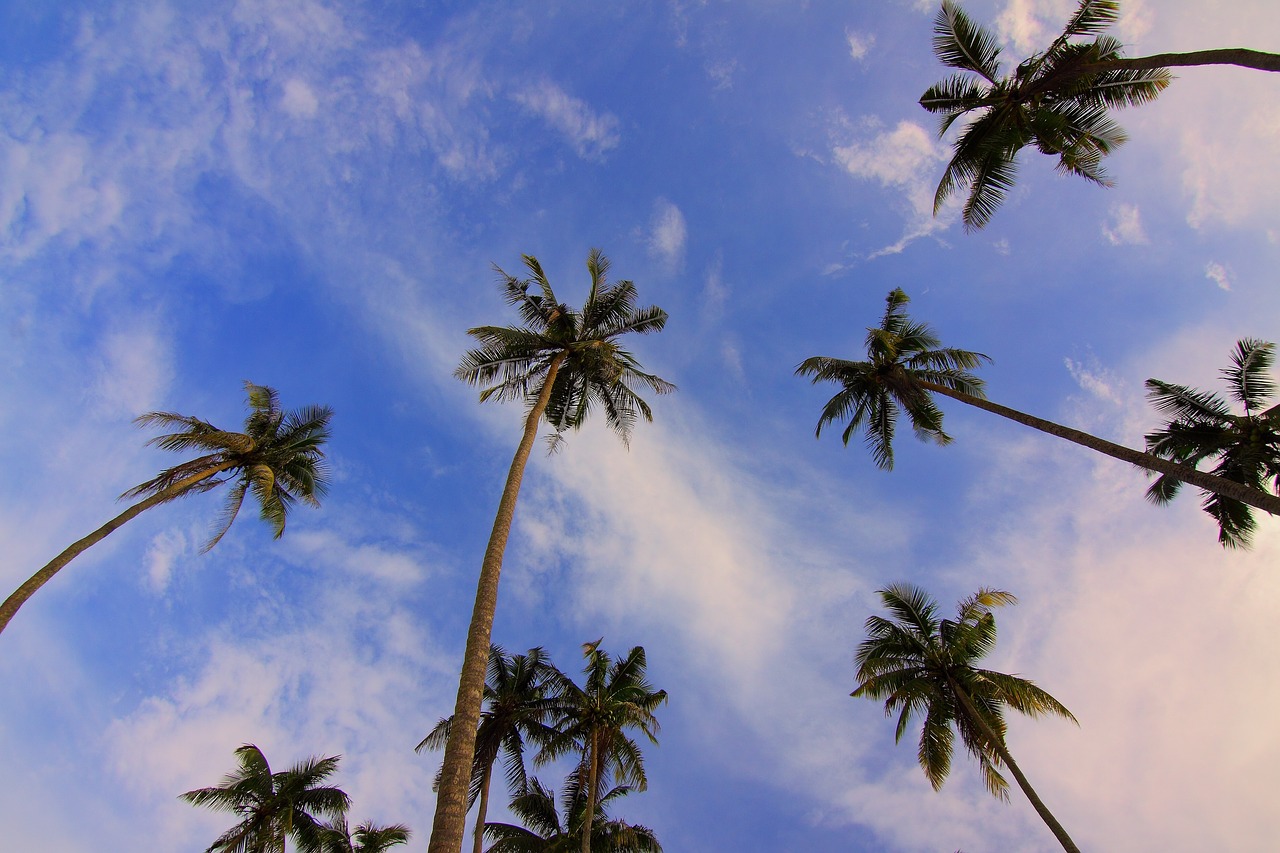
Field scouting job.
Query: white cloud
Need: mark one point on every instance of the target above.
(591, 134)
(1125, 226)
(715, 292)
(859, 43)
(1218, 274)
(164, 549)
(299, 99)
(667, 233)
(134, 372)
(1097, 382)
(904, 159)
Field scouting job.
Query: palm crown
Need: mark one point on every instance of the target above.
(1057, 100)
(1202, 426)
(544, 830)
(921, 664)
(901, 352)
(590, 368)
(278, 457)
(274, 806)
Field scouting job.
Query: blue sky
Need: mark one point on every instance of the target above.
(310, 195)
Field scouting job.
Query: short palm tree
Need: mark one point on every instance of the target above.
(337, 837)
(272, 806)
(518, 707)
(594, 720)
(1057, 100)
(278, 457)
(1202, 426)
(906, 365)
(544, 831)
(561, 363)
(921, 664)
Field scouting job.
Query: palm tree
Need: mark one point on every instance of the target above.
(336, 837)
(1202, 426)
(273, 806)
(906, 365)
(561, 363)
(545, 832)
(1057, 100)
(919, 663)
(594, 720)
(518, 704)
(278, 457)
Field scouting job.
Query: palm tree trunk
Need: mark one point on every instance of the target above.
(593, 779)
(997, 742)
(449, 824)
(1243, 57)
(477, 834)
(75, 549)
(1209, 482)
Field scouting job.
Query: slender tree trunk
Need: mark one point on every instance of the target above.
(1187, 474)
(998, 743)
(478, 833)
(40, 578)
(593, 779)
(1243, 57)
(449, 824)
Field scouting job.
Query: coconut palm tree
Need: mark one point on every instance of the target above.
(1057, 100)
(272, 806)
(906, 365)
(1202, 426)
(561, 363)
(545, 832)
(336, 837)
(278, 457)
(518, 705)
(920, 664)
(594, 720)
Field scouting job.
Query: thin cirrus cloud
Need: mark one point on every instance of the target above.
(591, 134)
(667, 234)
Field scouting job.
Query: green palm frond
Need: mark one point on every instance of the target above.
(1247, 376)
(960, 43)
(1092, 17)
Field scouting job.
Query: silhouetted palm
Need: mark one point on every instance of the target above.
(1203, 427)
(920, 664)
(272, 806)
(1057, 100)
(278, 457)
(545, 832)
(561, 363)
(906, 365)
(517, 706)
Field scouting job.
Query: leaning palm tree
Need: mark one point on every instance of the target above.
(272, 806)
(1203, 427)
(560, 363)
(1057, 100)
(278, 457)
(920, 664)
(518, 706)
(594, 720)
(545, 832)
(337, 837)
(906, 365)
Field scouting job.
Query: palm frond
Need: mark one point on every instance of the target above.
(960, 43)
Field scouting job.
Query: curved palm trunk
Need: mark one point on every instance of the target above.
(593, 779)
(477, 833)
(40, 578)
(998, 743)
(1210, 482)
(1243, 57)
(449, 824)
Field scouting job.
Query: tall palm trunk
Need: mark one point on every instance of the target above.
(75, 549)
(593, 779)
(1210, 482)
(448, 826)
(998, 744)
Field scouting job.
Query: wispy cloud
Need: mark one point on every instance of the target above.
(590, 133)
(859, 43)
(905, 159)
(1124, 226)
(1218, 274)
(667, 234)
